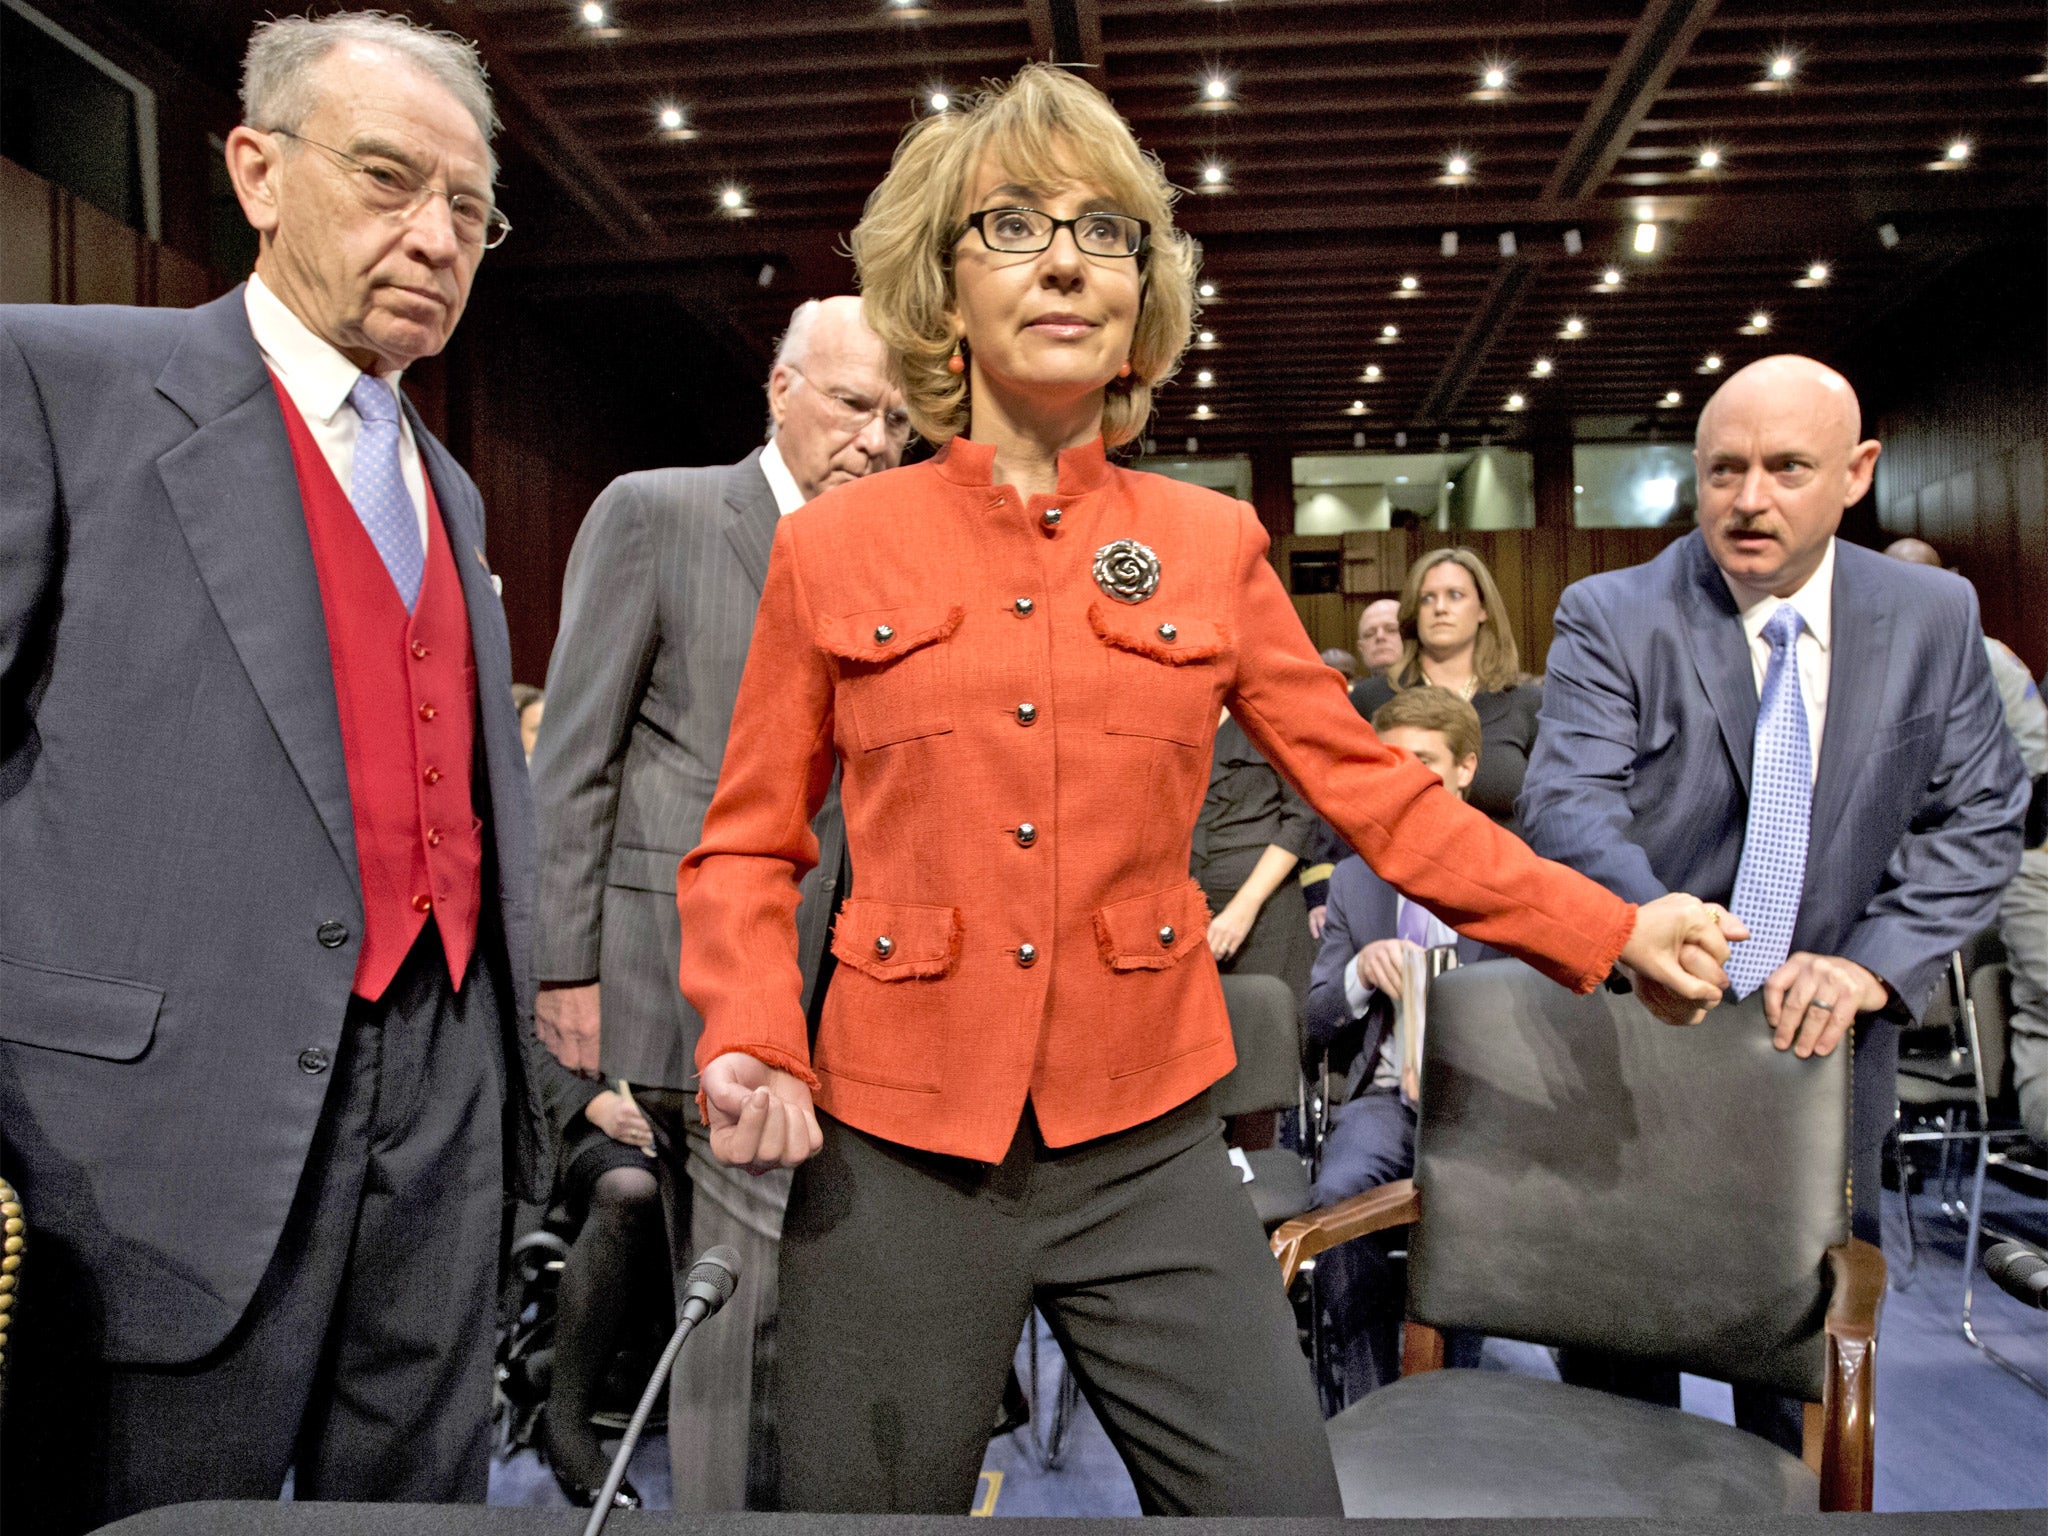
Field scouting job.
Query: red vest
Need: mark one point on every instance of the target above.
(406, 689)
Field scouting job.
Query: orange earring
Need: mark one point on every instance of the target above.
(1123, 369)
(956, 363)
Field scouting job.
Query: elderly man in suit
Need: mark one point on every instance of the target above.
(264, 1070)
(657, 613)
(1794, 726)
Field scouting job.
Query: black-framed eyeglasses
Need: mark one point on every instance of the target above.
(1027, 231)
(398, 192)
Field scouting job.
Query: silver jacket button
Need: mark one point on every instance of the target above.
(1026, 835)
(1168, 633)
(884, 634)
(1026, 713)
(1050, 517)
(1024, 607)
(1027, 954)
(1167, 936)
(885, 946)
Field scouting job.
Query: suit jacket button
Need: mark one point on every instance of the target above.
(1168, 633)
(1026, 835)
(1027, 955)
(313, 1061)
(1166, 937)
(885, 946)
(884, 634)
(1024, 606)
(1050, 517)
(1027, 714)
(332, 935)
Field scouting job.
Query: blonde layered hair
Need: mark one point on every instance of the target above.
(1044, 127)
(1496, 660)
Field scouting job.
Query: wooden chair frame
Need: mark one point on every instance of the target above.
(1840, 1430)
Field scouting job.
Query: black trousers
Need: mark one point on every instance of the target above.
(907, 1277)
(363, 1364)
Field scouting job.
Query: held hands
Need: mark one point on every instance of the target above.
(1229, 928)
(1675, 954)
(620, 1118)
(760, 1117)
(1811, 1000)
(1380, 965)
(566, 1019)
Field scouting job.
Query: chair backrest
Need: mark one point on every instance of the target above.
(1265, 1026)
(1991, 1001)
(1590, 1176)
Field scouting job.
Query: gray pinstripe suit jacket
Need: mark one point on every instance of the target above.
(657, 613)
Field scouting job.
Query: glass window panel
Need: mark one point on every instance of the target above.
(1633, 485)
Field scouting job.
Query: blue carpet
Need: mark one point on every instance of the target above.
(1953, 1431)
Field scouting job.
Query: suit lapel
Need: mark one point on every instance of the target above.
(751, 515)
(236, 495)
(1720, 655)
(1859, 652)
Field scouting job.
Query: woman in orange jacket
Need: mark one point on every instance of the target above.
(1015, 654)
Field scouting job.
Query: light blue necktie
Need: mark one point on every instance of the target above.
(378, 488)
(1773, 870)
(1413, 924)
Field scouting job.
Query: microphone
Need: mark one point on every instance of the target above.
(708, 1286)
(2020, 1272)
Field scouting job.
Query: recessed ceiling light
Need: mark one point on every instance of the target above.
(1646, 239)
(1217, 95)
(1958, 149)
(1816, 276)
(1540, 369)
(1573, 328)
(1611, 278)
(1671, 397)
(1783, 66)
(1410, 285)
(1390, 333)
(1203, 413)
(670, 118)
(1372, 373)
(1207, 290)
(939, 101)
(1759, 323)
(1495, 78)
(1515, 402)
(732, 201)
(1205, 338)
(1205, 377)
(1457, 168)
(593, 14)
(909, 7)
(1711, 363)
(1357, 408)
(1709, 159)
(1214, 177)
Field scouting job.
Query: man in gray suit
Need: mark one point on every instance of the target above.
(266, 838)
(657, 613)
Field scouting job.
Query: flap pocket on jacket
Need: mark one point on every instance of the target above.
(643, 869)
(67, 1011)
(1151, 933)
(1162, 677)
(894, 941)
(895, 672)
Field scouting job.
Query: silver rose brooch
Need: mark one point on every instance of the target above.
(1127, 571)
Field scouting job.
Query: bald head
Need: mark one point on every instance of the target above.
(1914, 552)
(1779, 461)
(832, 410)
(1379, 635)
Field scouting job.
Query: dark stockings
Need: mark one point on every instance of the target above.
(620, 1250)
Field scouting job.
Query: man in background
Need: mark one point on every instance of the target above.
(657, 613)
(264, 1064)
(1379, 636)
(1797, 728)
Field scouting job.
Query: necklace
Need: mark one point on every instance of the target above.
(1464, 690)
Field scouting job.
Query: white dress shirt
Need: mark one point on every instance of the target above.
(788, 494)
(1816, 604)
(1386, 1072)
(318, 379)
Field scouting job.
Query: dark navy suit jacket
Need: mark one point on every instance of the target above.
(180, 909)
(1362, 908)
(1640, 776)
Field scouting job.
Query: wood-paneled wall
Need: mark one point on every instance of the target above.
(59, 249)
(1531, 566)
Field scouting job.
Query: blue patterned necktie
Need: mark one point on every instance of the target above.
(1773, 870)
(378, 488)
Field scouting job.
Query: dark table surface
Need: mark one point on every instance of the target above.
(446, 1520)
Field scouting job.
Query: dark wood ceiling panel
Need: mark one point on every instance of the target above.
(1336, 132)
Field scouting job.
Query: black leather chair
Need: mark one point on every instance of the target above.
(1265, 1026)
(1588, 1176)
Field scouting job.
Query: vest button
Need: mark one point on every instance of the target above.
(427, 711)
(433, 837)
(884, 634)
(1050, 517)
(885, 946)
(332, 935)
(419, 651)
(423, 903)
(432, 775)
(1166, 937)
(1024, 607)
(1026, 835)
(313, 1061)
(1027, 955)
(1027, 714)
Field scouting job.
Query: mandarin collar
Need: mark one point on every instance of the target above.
(966, 462)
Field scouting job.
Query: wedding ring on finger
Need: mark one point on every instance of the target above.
(1825, 1005)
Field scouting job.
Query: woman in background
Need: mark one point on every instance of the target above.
(1455, 634)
